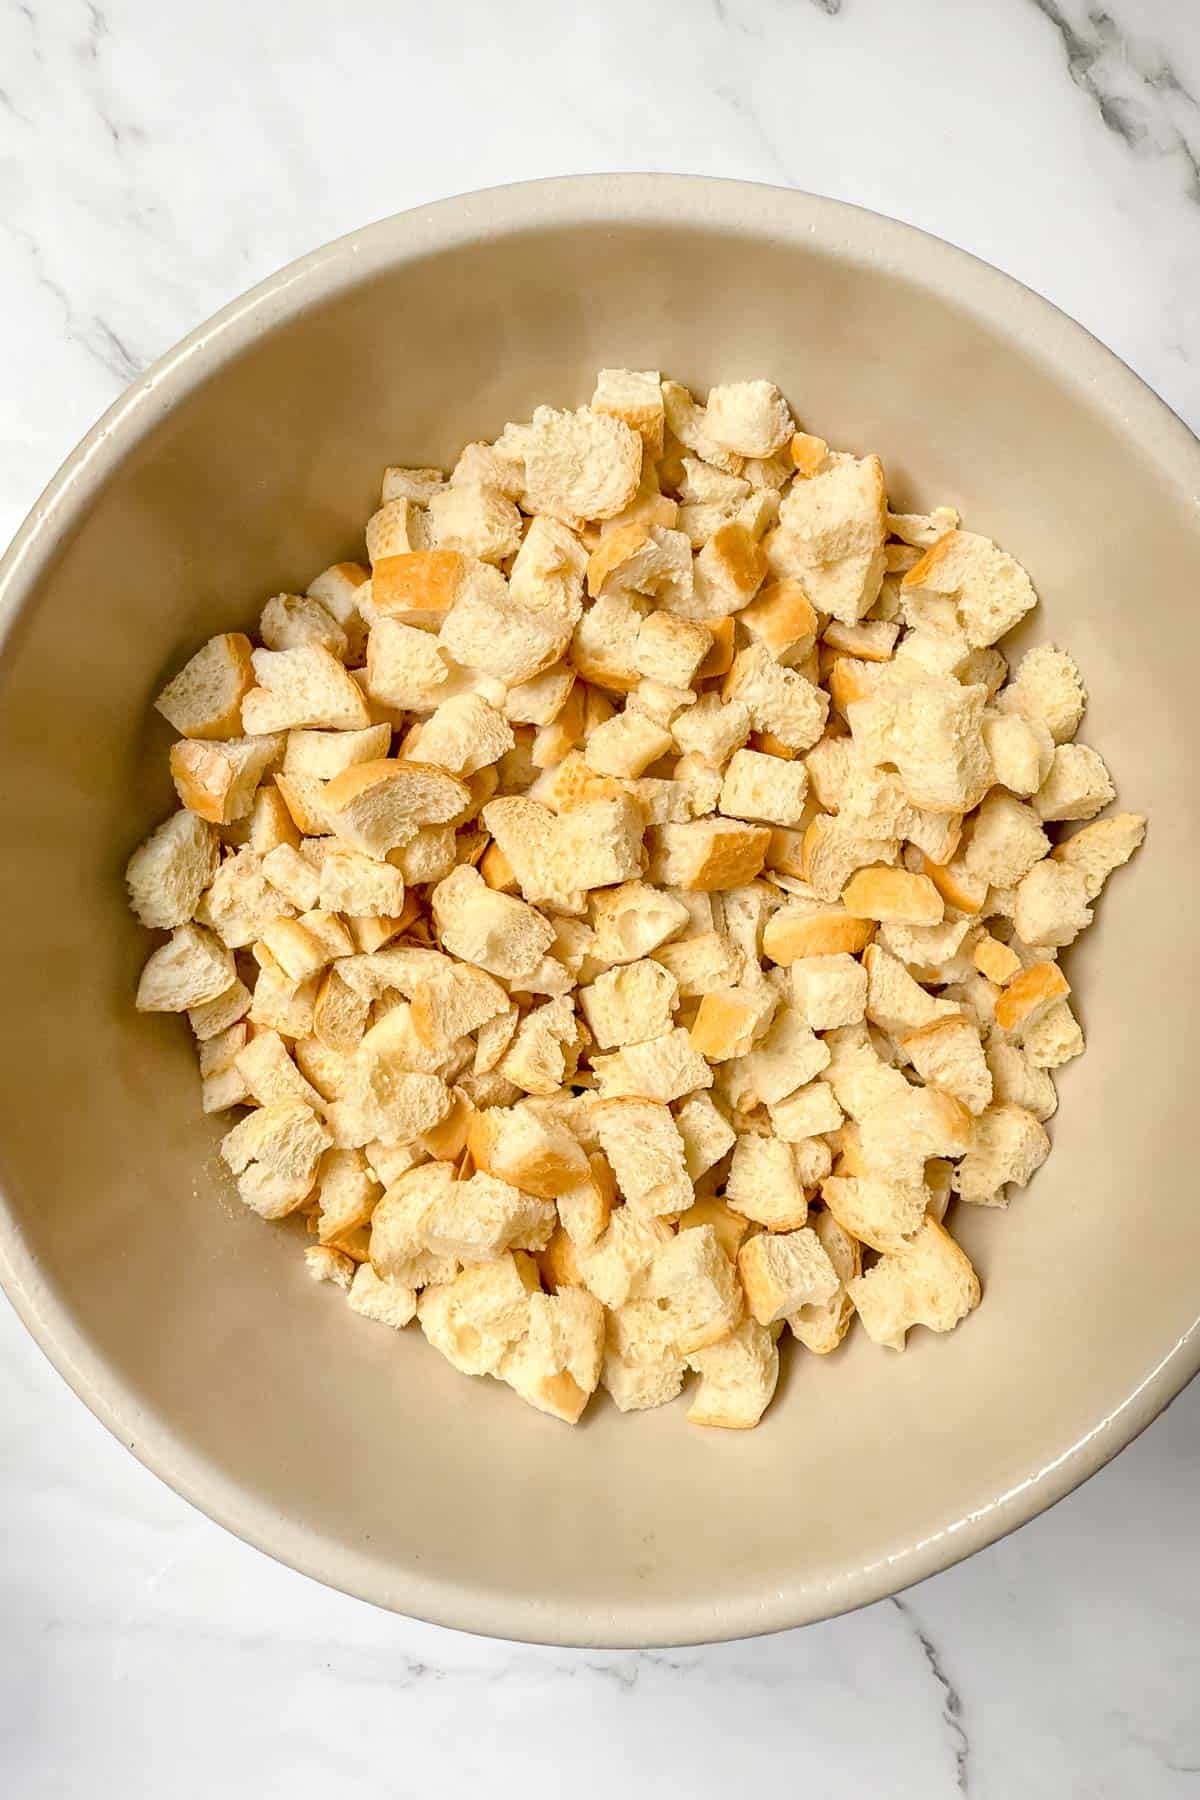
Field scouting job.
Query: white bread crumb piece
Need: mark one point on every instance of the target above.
(580, 465)
(324, 1263)
(274, 1152)
(204, 700)
(665, 1068)
(1052, 908)
(929, 1282)
(614, 1268)
(1100, 848)
(1049, 687)
(882, 1213)
(738, 1376)
(1078, 785)
(829, 990)
(477, 1318)
(693, 1282)
(781, 1272)
(387, 1302)
(948, 1054)
(1017, 1081)
(764, 789)
(556, 1366)
(1007, 1145)
(989, 589)
(191, 968)
(822, 1328)
(748, 417)
(763, 1184)
(1053, 1039)
(707, 1134)
(169, 871)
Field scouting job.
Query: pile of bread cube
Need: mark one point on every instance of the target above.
(626, 908)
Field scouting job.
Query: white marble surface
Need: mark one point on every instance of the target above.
(155, 159)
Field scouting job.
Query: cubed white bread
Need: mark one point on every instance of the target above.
(191, 968)
(1053, 1039)
(555, 1366)
(305, 687)
(474, 519)
(665, 1068)
(635, 397)
(241, 902)
(347, 1194)
(738, 1376)
(219, 780)
(630, 1003)
(671, 650)
(275, 1152)
(834, 848)
(931, 729)
(489, 631)
(1017, 1081)
(294, 877)
(781, 617)
(858, 1075)
(899, 1134)
(580, 465)
(988, 588)
(1051, 907)
(603, 646)
(929, 1282)
(452, 1000)
(463, 735)
(1078, 785)
(784, 1056)
(729, 1020)
(1006, 841)
(783, 1271)
(728, 571)
(476, 1220)
(778, 699)
(1007, 1145)
(1049, 687)
(713, 729)
(291, 620)
(169, 871)
(822, 1328)
(748, 417)
(204, 700)
(380, 806)
(831, 534)
(614, 1268)
(764, 789)
(544, 1052)
(688, 422)
(376, 1297)
(707, 854)
(806, 1112)
(948, 1054)
(270, 1074)
(533, 1153)
(491, 465)
(626, 744)
(1100, 848)
(707, 1134)
(763, 1184)
(999, 962)
(280, 1004)
(477, 1318)
(693, 1281)
(631, 920)
(1021, 750)
(878, 1211)
(210, 1017)
(895, 1002)
(324, 1263)
(892, 895)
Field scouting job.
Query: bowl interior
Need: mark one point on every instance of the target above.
(358, 1453)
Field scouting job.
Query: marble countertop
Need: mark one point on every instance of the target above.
(154, 161)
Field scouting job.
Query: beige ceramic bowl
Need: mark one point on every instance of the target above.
(248, 459)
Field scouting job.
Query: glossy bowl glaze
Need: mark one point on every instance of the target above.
(248, 459)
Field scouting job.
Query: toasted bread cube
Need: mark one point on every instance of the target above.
(829, 990)
(1006, 842)
(531, 1153)
(781, 617)
(290, 620)
(218, 780)
(380, 806)
(463, 735)
(764, 1184)
(347, 1194)
(900, 1133)
(738, 1375)
(499, 933)
(701, 964)
(707, 854)
(478, 1219)
(893, 895)
(929, 1282)
(324, 754)
(948, 1054)
(399, 525)
(275, 1152)
(895, 1002)
(304, 687)
(205, 699)
(792, 934)
(543, 700)
(191, 968)
(932, 731)
(989, 589)
(604, 644)
(1007, 1145)
(324, 1263)
(556, 1365)
(169, 871)
(474, 520)
(781, 1272)
(293, 876)
(831, 535)
(822, 1328)
(1021, 750)
(748, 417)
(632, 920)
(626, 744)
(882, 1213)
(580, 465)
(500, 465)
(1018, 1081)
(1049, 687)
(764, 789)
(695, 1284)
(665, 1068)
(416, 588)
(211, 1017)
(806, 1112)
(707, 1136)
(712, 728)
(834, 848)
(399, 1219)
(635, 397)
(545, 1048)
(270, 1074)
(671, 650)
(643, 1367)
(779, 700)
(644, 1148)
(376, 1297)
(1078, 785)
(476, 1319)
(630, 1003)
(586, 1208)
(1100, 848)
(996, 960)
(730, 1019)
(280, 1004)
(614, 1268)
(1051, 905)
(1054, 1038)
(786, 1055)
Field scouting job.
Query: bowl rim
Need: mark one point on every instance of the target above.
(857, 235)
